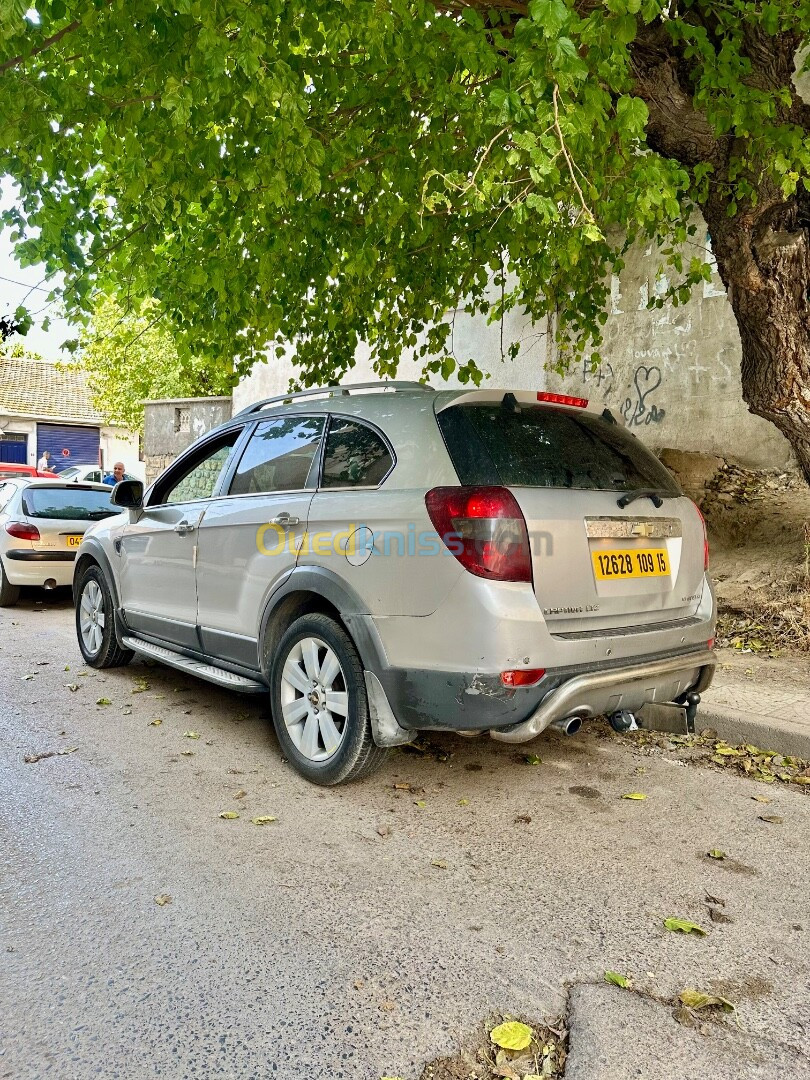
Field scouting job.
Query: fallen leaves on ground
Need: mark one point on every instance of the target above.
(775, 819)
(163, 899)
(533, 759)
(683, 926)
(262, 819)
(716, 853)
(637, 796)
(765, 766)
(141, 685)
(239, 794)
(440, 864)
(405, 785)
(72, 686)
(103, 701)
(156, 722)
(229, 815)
(463, 802)
(191, 734)
(615, 979)
(420, 803)
(31, 759)
(697, 999)
(512, 1035)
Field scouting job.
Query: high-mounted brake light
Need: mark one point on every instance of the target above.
(484, 528)
(23, 530)
(562, 399)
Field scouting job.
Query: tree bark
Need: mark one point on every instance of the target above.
(765, 265)
(762, 248)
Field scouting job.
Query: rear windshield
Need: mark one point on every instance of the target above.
(544, 447)
(71, 503)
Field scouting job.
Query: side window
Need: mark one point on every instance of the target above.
(199, 480)
(94, 477)
(355, 456)
(278, 456)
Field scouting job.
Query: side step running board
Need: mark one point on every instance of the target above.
(210, 672)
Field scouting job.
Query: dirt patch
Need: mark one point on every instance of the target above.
(586, 792)
(753, 987)
(759, 536)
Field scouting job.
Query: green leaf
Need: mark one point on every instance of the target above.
(263, 819)
(191, 734)
(618, 980)
(715, 853)
(696, 999)
(229, 815)
(103, 701)
(635, 795)
(683, 926)
(533, 759)
(552, 15)
(512, 1035)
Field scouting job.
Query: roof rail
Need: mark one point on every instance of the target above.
(331, 391)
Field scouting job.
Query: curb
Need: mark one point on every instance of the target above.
(735, 726)
(760, 729)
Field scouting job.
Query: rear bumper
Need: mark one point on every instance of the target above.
(628, 687)
(41, 556)
(36, 567)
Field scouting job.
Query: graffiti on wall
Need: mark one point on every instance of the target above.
(638, 410)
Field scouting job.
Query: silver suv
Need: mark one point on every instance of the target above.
(387, 559)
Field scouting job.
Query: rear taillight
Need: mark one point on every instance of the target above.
(484, 528)
(562, 399)
(523, 676)
(705, 538)
(23, 530)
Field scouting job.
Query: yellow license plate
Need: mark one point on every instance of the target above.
(638, 563)
(74, 541)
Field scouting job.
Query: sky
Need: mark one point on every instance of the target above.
(15, 282)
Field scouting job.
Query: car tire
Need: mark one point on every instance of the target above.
(95, 622)
(9, 594)
(319, 703)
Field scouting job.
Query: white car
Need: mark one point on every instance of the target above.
(42, 524)
(89, 474)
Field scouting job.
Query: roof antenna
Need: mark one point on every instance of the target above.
(510, 403)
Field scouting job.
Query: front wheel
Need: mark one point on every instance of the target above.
(95, 622)
(319, 703)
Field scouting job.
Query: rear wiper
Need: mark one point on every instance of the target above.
(642, 493)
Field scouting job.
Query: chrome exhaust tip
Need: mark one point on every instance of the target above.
(49, 584)
(569, 725)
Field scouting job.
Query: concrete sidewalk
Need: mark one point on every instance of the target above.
(751, 707)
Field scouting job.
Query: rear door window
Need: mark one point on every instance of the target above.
(68, 503)
(543, 447)
(279, 456)
(355, 455)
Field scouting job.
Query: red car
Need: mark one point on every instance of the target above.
(9, 469)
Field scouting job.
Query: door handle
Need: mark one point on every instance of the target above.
(185, 527)
(285, 520)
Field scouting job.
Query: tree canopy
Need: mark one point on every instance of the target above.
(325, 171)
(130, 357)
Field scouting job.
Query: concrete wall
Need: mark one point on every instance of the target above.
(172, 425)
(673, 374)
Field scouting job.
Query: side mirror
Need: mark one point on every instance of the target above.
(128, 494)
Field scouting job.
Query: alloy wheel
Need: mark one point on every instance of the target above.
(91, 617)
(314, 698)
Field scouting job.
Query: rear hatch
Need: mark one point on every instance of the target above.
(605, 557)
(63, 512)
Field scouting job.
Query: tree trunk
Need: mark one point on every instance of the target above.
(764, 261)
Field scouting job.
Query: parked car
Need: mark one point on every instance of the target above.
(88, 474)
(42, 523)
(8, 470)
(390, 559)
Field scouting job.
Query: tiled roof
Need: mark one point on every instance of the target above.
(43, 390)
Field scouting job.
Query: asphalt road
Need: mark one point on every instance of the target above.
(370, 927)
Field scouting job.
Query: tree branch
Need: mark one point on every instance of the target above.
(15, 61)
